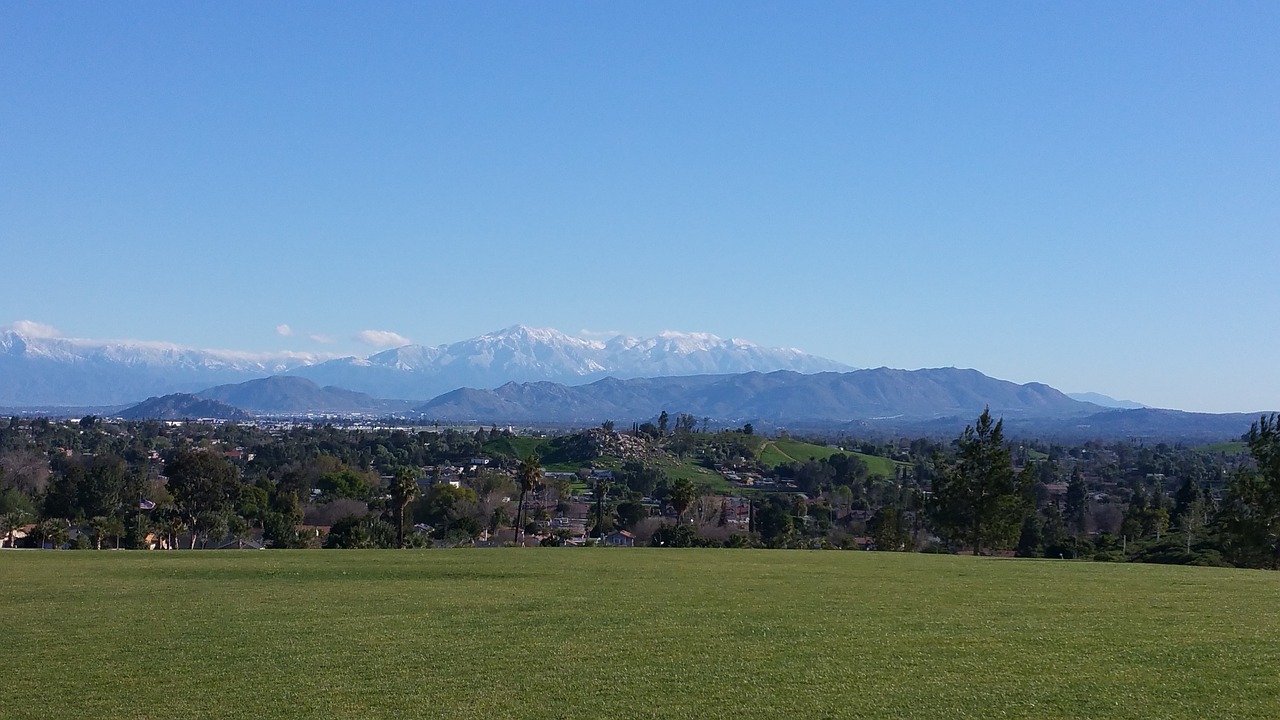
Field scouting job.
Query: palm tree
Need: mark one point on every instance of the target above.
(601, 493)
(682, 494)
(404, 488)
(54, 531)
(175, 527)
(529, 476)
(10, 522)
(98, 526)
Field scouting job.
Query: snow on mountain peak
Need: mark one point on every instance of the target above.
(127, 370)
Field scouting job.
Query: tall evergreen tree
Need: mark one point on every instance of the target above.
(1077, 503)
(1250, 517)
(978, 500)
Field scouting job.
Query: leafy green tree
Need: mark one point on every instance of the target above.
(674, 536)
(202, 482)
(498, 519)
(239, 529)
(639, 477)
(361, 531)
(978, 500)
(630, 513)
(1250, 516)
(443, 505)
(1053, 532)
(344, 483)
(889, 529)
(773, 520)
(280, 530)
(1194, 514)
(211, 526)
(253, 502)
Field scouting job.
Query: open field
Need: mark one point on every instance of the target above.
(784, 450)
(569, 633)
(1229, 449)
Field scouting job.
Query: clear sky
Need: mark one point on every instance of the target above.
(1082, 194)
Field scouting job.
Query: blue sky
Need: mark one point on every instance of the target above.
(1083, 194)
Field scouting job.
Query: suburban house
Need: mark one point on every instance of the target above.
(620, 538)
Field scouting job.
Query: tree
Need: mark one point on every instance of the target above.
(1077, 503)
(685, 423)
(211, 527)
(681, 495)
(1031, 539)
(444, 505)
(978, 500)
(1250, 516)
(663, 419)
(404, 488)
(11, 523)
(497, 519)
(239, 529)
(53, 531)
(630, 513)
(98, 526)
(676, 536)
(202, 482)
(601, 492)
(529, 478)
(1194, 510)
(360, 531)
(888, 529)
(773, 520)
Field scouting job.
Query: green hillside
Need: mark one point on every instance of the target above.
(516, 446)
(784, 450)
(1229, 449)
(579, 633)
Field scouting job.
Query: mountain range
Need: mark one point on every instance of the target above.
(63, 371)
(867, 403)
(780, 397)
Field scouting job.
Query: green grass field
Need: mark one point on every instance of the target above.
(1230, 449)
(784, 450)
(586, 633)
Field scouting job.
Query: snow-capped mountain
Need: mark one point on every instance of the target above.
(73, 371)
(525, 354)
(64, 371)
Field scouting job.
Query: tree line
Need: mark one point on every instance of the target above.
(233, 484)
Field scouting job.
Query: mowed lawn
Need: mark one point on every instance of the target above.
(587, 633)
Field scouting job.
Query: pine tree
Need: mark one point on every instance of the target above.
(978, 500)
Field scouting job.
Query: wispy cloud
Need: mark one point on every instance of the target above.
(284, 330)
(382, 338)
(600, 333)
(323, 339)
(34, 329)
